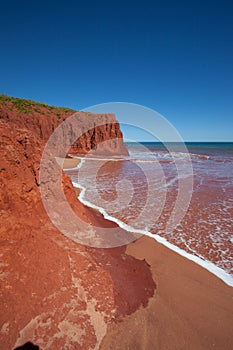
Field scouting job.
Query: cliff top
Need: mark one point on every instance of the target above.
(29, 106)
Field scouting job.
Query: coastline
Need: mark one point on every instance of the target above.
(187, 307)
(191, 308)
(208, 265)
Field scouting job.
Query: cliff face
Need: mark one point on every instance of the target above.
(99, 133)
(89, 132)
(54, 292)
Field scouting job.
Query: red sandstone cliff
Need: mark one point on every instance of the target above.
(54, 292)
(89, 130)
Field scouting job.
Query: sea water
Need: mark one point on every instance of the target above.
(140, 193)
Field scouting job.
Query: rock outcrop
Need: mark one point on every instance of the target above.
(54, 292)
(100, 133)
(89, 131)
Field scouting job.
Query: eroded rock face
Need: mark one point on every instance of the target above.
(94, 132)
(87, 130)
(54, 292)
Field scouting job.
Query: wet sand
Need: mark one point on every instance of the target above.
(191, 308)
(68, 163)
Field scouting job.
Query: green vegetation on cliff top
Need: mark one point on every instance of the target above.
(27, 106)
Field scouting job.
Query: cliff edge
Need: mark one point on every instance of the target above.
(92, 130)
(54, 292)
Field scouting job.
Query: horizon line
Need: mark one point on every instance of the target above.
(194, 141)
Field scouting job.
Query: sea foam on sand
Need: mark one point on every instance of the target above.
(220, 273)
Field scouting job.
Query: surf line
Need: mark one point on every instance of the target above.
(208, 265)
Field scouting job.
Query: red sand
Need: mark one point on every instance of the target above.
(191, 308)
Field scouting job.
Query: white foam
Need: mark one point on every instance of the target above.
(117, 159)
(164, 155)
(67, 169)
(217, 271)
(146, 157)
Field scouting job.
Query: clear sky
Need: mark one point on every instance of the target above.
(172, 56)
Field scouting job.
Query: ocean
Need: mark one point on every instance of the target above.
(180, 195)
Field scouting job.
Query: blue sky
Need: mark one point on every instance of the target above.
(175, 57)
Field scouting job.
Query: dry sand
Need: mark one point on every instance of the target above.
(191, 308)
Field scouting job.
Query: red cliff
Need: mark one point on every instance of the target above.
(54, 292)
(88, 132)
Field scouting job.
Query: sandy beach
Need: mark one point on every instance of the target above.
(191, 308)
